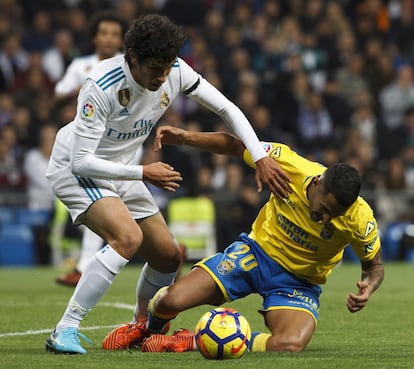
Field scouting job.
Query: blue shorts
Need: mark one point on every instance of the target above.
(244, 268)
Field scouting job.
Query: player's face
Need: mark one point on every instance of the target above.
(150, 74)
(323, 207)
(108, 39)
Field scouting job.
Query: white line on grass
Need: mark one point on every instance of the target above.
(118, 305)
(42, 331)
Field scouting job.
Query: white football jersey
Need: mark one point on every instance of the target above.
(76, 73)
(115, 115)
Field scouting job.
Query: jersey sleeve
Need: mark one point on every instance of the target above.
(189, 78)
(278, 151)
(366, 241)
(89, 125)
(212, 99)
(93, 109)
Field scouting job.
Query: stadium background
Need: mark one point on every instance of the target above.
(333, 79)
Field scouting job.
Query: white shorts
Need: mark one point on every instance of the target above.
(79, 193)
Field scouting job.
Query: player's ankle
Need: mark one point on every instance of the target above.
(157, 324)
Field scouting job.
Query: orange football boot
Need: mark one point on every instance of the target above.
(71, 279)
(180, 341)
(128, 336)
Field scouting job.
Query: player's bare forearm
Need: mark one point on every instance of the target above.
(372, 277)
(215, 142)
(373, 271)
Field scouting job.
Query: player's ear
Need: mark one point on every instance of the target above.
(316, 180)
(132, 56)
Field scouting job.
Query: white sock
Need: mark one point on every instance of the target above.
(91, 243)
(149, 282)
(96, 279)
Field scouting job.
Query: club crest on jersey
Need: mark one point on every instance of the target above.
(124, 97)
(165, 101)
(327, 231)
(226, 266)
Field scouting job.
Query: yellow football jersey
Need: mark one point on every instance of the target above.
(286, 232)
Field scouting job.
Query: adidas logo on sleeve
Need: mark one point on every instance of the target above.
(124, 112)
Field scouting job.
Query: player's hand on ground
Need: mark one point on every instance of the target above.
(168, 135)
(272, 175)
(355, 302)
(162, 175)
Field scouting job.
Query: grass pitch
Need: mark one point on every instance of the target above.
(380, 336)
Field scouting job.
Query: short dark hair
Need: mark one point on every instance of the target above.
(106, 16)
(343, 181)
(154, 37)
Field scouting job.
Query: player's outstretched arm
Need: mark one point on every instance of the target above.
(215, 142)
(267, 170)
(372, 277)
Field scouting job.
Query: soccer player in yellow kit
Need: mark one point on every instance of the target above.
(293, 246)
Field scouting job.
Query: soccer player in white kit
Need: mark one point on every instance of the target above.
(92, 171)
(106, 30)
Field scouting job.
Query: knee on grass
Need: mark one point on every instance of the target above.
(285, 343)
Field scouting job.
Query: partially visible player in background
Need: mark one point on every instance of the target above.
(106, 33)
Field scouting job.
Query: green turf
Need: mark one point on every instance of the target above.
(380, 336)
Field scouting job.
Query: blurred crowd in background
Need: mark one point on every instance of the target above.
(332, 79)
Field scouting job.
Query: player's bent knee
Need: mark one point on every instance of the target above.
(169, 302)
(171, 258)
(282, 343)
(127, 244)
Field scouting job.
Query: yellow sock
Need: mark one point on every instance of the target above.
(258, 341)
(151, 305)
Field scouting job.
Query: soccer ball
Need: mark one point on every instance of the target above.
(222, 333)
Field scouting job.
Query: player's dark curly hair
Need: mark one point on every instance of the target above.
(106, 16)
(154, 37)
(344, 182)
